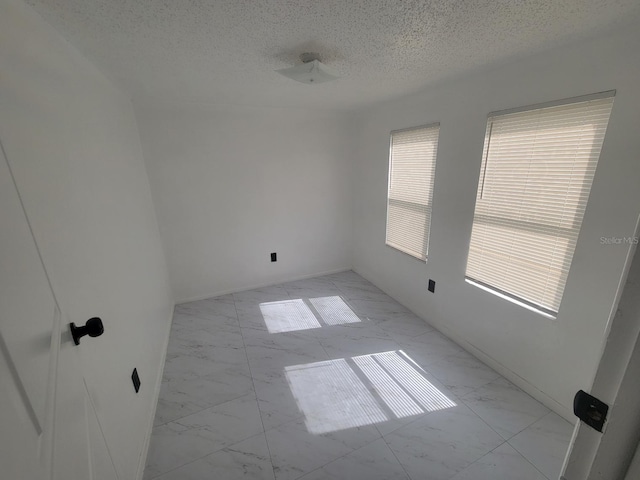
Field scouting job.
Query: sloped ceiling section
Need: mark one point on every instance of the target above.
(226, 51)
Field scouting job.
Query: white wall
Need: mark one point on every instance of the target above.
(232, 185)
(72, 142)
(551, 359)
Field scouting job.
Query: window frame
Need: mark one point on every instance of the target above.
(427, 126)
(511, 297)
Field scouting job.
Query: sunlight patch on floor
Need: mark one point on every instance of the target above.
(288, 316)
(362, 390)
(298, 314)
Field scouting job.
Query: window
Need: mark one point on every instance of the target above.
(412, 167)
(537, 169)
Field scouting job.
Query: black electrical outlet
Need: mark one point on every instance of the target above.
(432, 286)
(590, 410)
(274, 257)
(136, 380)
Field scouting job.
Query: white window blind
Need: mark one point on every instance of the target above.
(411, 176)
(536, 174)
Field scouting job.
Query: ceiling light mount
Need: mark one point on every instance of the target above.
(307, 57)
(310, 71)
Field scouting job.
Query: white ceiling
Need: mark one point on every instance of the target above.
(226, 51)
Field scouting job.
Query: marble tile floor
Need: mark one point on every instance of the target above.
(330, 378)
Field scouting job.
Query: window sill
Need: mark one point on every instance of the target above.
(511, 299)
(423, 260)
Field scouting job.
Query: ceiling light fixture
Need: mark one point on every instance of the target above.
(310, 71)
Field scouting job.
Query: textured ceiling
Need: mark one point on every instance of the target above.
(226, 51)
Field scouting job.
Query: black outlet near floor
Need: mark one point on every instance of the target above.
(432, 286)
(274, 257)
(136, 380)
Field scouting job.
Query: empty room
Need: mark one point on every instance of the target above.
(350, 240)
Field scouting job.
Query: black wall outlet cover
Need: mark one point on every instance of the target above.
(590, 410)
(136, 380)
(274, 257)
(432, 286)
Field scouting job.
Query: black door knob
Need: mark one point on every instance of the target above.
(93, 328)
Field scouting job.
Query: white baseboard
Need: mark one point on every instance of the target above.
(523, 384)
(261, 285)
(485, 358)
(156, 394)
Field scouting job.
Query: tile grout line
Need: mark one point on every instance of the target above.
(505, 441)
(478, 459)
(176, 420)
(348, 453)
(244, 345)
(380, 434)
(519, 431)
(352, 451)
(204, 456)
(528, 461)
(473, 389)
(395, 456)
(264, 430)
(204, 318)
(522, 454)
(479, 418)
(374, 426)
(213, 406)
(255, 396)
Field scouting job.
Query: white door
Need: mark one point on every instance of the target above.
(48, 427)
(608, 455)
(634, 469)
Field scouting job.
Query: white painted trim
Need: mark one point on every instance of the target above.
(555, 103)
(516, 379)
(262, 285)
(419, 127)
(156, 395)
(509, 298)
(621, 339)
(510, 375)
(634, 469)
